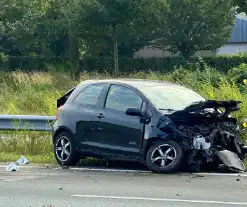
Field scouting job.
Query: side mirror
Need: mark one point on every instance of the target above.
(133, 112)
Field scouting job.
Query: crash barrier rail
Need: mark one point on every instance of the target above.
(26, 122)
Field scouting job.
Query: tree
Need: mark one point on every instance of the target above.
(19, 20)
(131, 38)
(112, 14)
(242, 5)
(71, 28)
(103, 22)
(194, 25)
(31, 27)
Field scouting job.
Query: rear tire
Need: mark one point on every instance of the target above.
(65, 150)
(164, 157)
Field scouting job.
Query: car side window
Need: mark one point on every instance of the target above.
(120, 98)
(89, 95)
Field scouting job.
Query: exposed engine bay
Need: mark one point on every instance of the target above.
(208, 135)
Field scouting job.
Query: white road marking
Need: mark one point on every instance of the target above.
(162, 199)
(223, 174)
(9, 180)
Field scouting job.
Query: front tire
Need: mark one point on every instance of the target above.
(65, 149)
(164, 157)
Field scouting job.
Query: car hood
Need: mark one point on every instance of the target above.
(232, 105)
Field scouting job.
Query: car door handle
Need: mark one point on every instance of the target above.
(100, 116)
(100, 129)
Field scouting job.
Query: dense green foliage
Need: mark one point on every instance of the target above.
(30, 28)
(76, 30)
(193, 25)
(242, 5)
(127, 64)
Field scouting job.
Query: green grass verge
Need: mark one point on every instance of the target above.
(36, 93)
(33, 159)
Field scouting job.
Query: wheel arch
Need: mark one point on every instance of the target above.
(60, 130)
(152, 141)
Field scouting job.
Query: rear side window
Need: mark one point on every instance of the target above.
(90, 95)
(120, 98)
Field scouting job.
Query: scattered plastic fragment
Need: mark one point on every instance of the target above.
(231, 160)
(22, 161)
(12, 167)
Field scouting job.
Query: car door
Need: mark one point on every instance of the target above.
(83, 110)
(117, 132)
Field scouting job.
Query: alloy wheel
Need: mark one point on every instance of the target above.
(163, 155)
(63, 148)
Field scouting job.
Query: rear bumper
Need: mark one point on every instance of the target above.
(54, 127)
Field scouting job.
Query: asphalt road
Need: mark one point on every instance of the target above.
(37, 187)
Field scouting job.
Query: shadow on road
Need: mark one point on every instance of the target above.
(123, 165)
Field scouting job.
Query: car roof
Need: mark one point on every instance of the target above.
(133, 82)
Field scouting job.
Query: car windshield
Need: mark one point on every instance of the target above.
(170, 97)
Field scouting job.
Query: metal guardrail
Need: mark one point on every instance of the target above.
(26, 122)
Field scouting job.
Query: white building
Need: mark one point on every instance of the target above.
(238, 41)
(236, 44)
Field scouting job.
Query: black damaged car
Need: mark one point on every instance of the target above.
(160, 124)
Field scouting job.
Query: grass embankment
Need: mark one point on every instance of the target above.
(36, 94)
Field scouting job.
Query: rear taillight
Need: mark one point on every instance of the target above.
(58, 111)
(57, 115)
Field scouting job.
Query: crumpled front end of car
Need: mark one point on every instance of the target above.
(208, 135)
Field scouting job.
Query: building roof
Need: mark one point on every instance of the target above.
(239, 32)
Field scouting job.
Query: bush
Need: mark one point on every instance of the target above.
(225, 63)
(167, 64)
(238, 74)
(30, 63)
(131, 64)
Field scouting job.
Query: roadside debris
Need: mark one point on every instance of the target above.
(22, 161)
(207, 134)
(14, 166)
(64, 167)
(231, 160)
(198, 176)
(199, 142)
